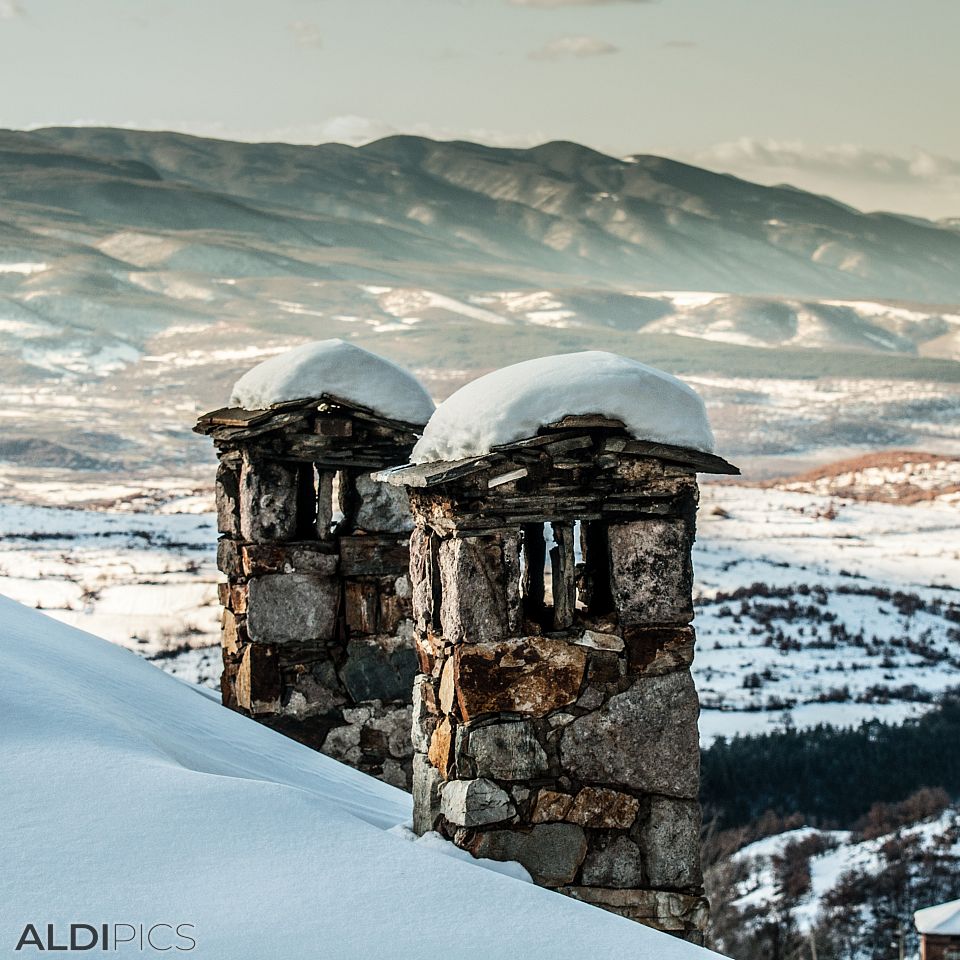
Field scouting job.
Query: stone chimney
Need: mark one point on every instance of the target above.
(555, 717)
(317, 631)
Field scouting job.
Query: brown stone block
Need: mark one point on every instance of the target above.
(600, 808)
(531, 675)
(652, 573)
(374, 556)
(292, 608)
(260, 559)
(644, 739)
(395, 608)
(551, 806)
(665, 910)
(441, 746)
(657, 650)
(258, 680)
(233, 633)
(362, 606)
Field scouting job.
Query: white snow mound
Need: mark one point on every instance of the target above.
(341, 370)
(514, 402)
(129, 796)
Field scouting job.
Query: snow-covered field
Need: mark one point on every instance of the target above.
(132, 799)
(810, 609)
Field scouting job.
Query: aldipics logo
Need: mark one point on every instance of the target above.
(111, 937)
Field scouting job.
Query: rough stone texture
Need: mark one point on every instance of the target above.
(657, 716)
(421, 565)
(229, 560)
(382, 507)
(258, 679)
(652, 576)
(616, 863)
(479, 580)
(551, 852)
(441, 746)
(228, 501)
(263, 558)
(551, 807)
(532, 675)
(379, 668)
(504, 751)
(474, 803)
(603, 809)
(658, 650)
(677, 913)
(292, 608)
(670, 838)
(268, 500)
(426, 794)
(424, 713)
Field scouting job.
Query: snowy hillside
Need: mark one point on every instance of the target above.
(851, 894)
(169, 809)
(141, 273)
(810, 607)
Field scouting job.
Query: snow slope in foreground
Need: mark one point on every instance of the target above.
(129, 796)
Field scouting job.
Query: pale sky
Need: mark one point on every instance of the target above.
(856, 98)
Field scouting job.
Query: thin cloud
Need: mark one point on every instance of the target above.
(307, 34)
(570, 3)
(842, 159)
(564, 47)
(11, 10)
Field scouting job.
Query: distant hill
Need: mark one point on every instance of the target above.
(141, 272)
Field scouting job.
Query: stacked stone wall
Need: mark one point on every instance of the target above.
(555, 723)
(317, 605)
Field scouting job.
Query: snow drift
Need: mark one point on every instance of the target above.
(514, 402)
(130, 796)
(341, 370)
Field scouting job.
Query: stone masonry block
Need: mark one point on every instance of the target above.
(670, 839)
(530, 675)
(480, 588)
(292, 608)
(268, 500)
(644, 739)
(652, 573)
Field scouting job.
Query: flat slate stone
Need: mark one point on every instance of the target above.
(379, 668)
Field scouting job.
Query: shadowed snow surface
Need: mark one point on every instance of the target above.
(129, 796)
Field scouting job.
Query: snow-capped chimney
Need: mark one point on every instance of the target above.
(317, 631)
(555, 717)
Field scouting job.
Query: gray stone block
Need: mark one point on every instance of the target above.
(426, 795)
(617, 863)
(652, 573)
(474, 803)
(551, 852)
(505, 751)
(379, 668)
(292, 608)
(645, 739)
(383, 507)
(671, 844)
(268, 500)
